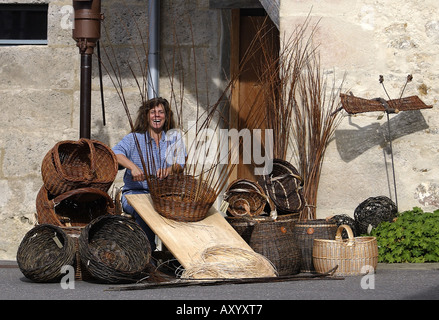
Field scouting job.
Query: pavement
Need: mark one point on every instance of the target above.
(389, 282)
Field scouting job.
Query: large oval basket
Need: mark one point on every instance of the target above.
(77, 164)
(182, 198)
(273, 239)
(353, 256)
(114, 249)
(42, 253)
(73, 209)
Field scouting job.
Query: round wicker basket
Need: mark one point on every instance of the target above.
(182, 198)
(42, 253)
(77, 164)
(114, 249)
(73, 209)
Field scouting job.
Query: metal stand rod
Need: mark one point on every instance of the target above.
(391, 155)
(85, 97)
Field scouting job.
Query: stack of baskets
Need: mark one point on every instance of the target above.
(76, 176)
(252, 213)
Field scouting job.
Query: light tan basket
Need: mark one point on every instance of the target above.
(353, 256)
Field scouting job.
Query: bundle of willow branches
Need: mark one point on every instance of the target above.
(300, 107)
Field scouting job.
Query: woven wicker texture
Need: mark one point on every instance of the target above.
(341, 219)
(353, 256)
(77, 164)
(245, 197)
(44, 250)
(114, 249)
(182, 198)
(305, 232)
(273, 239)
(284, 186)
(372, 211)
(74, 208)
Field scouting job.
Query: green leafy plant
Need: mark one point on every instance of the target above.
(412, 237)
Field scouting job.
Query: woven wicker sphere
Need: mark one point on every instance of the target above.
(114, 249)
(372, 211)
(44, 250)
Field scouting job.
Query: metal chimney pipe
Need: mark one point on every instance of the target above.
(153, 54)
(86, 32)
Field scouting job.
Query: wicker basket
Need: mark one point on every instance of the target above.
(73, 209)
(284, 186)
(353, 256)
(372, 211)
(182, 198)
(77, 164)
(44, 250)
(246, 198)
(114, 249)
(273, 239)
(305, 232)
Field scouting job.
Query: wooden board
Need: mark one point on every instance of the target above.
(187, 240)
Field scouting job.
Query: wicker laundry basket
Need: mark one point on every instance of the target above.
(77, 164)
(182, 197)
(284, 186)
(273, 239)
(353, 256)
(246, 198)
(42, 253)
(114, 249)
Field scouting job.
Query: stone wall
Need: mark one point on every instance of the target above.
(364, 39)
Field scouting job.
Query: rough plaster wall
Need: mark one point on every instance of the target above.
(365, 39)
(39, 89)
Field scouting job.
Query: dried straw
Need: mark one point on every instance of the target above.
(225, 262)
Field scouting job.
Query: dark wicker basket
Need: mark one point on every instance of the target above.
(77, 164)
(273, 239)
(182, 198)
(114, 249)
(344, 219)
(372, 211)
(284, 186)
(245, 198)
(44, 250)
(73, 209)
(305, 232)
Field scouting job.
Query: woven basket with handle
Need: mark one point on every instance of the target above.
(353, 256)
(73, 209)
(77, 164)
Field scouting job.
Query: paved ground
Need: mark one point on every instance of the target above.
(390, 282)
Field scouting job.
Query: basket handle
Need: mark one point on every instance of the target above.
(273, 211)
(57, 200)
(348, 229)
